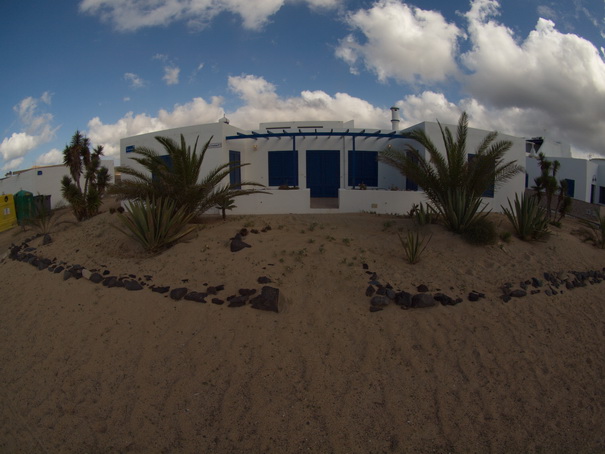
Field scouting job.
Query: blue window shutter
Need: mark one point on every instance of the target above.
(489, 192)
(571, 187)
(409, 184)
(283, 168)
(168, 160)
(235, 177)
(363, 168)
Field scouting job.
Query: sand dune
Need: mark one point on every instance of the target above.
(86, 368)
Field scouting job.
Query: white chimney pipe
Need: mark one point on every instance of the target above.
(395, 118)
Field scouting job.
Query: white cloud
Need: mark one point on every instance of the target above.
(402, 42)
(49, 158)
(131, 15)
(262, 104)
(18, 144)
(134, 80)
(161, 57)
(557, 78)
(37, 128)
(197, 111)
(171, 75)
(13, 164)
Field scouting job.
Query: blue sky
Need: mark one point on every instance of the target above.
(116, 68)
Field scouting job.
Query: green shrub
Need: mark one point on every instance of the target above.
(156, 224)
(425, 214)
(505, 236)
(529, 220)
(481, 232)
(413, 246)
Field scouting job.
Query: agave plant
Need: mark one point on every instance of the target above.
(595, 230)
(528, 218)
(413, 246)
(43, 220)
(156, 223)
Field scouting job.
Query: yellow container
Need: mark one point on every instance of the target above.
(8, 214)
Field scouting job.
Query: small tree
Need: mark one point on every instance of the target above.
(548, 186)
(225, 204)
(84, 163)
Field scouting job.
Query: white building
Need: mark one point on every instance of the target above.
(585, 177)
(320, 165)
(44, 180)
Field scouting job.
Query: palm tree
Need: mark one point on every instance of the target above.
(81, 162)
(547, 182)
(453, 182)
(176, 176)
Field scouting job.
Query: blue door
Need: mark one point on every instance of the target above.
(323, 172)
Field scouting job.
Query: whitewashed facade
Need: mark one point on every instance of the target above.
(585, 177)
(322, 163)
(43, 180)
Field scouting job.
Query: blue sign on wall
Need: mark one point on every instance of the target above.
(129, 148)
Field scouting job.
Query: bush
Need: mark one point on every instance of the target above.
(424, 214)
(595, 232)
(156, 224)
(413, 246)
(481, 232)
(505, 236)
(529, 220)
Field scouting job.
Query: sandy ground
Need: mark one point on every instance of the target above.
(91, 369)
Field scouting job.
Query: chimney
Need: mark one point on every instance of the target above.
(395, 118)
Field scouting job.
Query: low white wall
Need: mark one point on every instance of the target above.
(275, 202)
(378, 201)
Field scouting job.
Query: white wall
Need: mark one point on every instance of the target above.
(44, 181)
(475, 137)
(581, 171)
(379, 201)
(217, 153)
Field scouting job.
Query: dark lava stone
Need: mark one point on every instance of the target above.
(178, 293)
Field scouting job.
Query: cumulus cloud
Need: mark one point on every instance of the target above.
(551, 79)
(401, 42)
(36, 130)
(13, 164)
(171, 75)
(134, 80)
(197, 111)
(263, 104)
(52, 157)
(131, 15)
